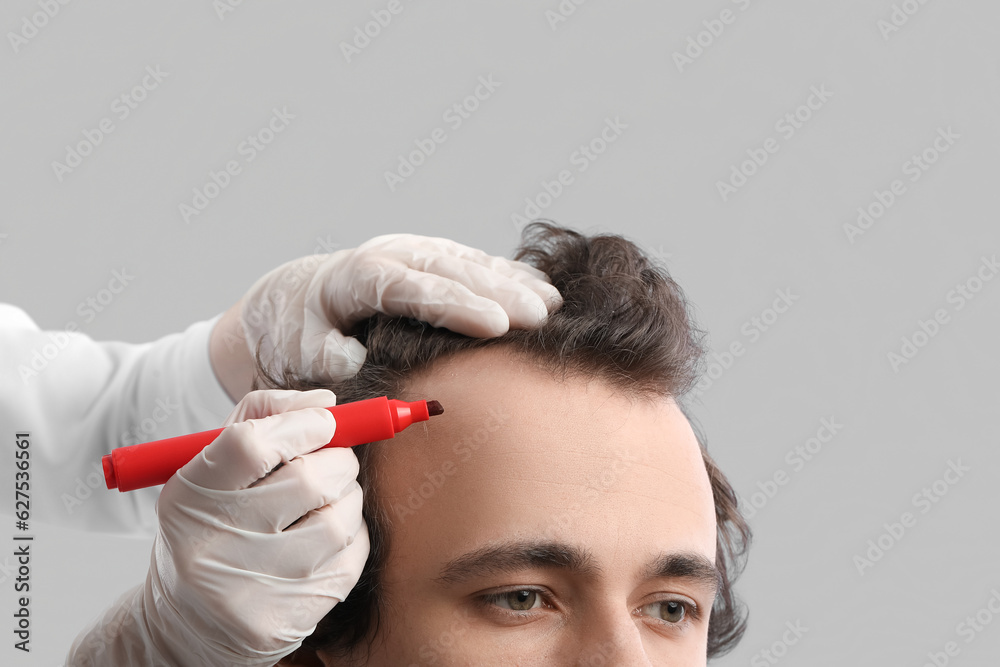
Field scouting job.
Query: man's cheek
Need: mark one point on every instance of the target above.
(449, 641)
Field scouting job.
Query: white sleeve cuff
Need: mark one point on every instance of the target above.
(207, 395)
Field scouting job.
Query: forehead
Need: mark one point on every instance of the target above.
(520, 453)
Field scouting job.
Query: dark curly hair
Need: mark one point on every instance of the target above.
(623, 320)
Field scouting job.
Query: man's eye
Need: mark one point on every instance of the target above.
(671, 611)
(521, 600)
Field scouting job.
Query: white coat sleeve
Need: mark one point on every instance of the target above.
(77, 399)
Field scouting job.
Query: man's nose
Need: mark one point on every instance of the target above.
(612, 638)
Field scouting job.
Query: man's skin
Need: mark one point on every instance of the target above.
(583, 512)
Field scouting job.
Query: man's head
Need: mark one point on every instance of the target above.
(562, 509)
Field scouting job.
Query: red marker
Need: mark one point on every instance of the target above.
(358, 423)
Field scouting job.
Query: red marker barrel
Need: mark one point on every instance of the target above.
(358, 423)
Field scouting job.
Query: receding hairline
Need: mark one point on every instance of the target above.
(557, 369)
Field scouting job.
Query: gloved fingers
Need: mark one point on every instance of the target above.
(300, 603)
(332, 536)
(340, 574)
(443, 303)
(381, 264)
(305, 483)
(336, 357)
(420, 253)
(328, 530)
(542, 286)
(525, 307)
(535, 280)
(267, 402)
(245, 452)
(413, 250)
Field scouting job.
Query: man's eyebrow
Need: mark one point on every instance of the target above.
(509, 557)
(693, 567)
(516, 556)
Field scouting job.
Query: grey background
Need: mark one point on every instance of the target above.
(321, 182)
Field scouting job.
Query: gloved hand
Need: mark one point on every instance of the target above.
(244, 563)
(299, 311)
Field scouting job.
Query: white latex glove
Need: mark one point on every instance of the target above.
(231, 581)
(300, 309)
